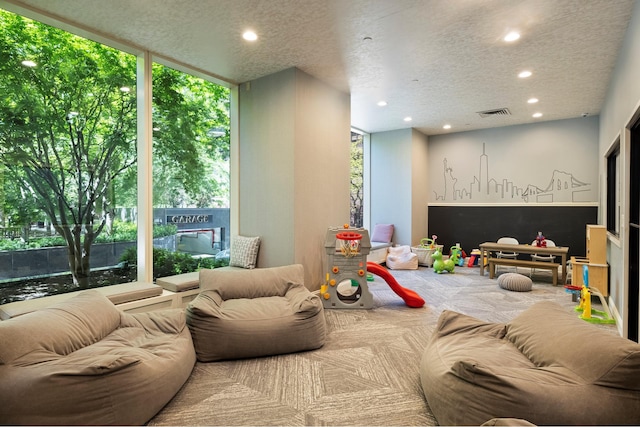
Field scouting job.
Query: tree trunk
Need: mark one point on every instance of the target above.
(81, 271)
(79, 258)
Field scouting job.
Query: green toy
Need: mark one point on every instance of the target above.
(454, 254)
(440, 265)
(427, 243)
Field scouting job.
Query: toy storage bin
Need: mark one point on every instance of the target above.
(424, 254)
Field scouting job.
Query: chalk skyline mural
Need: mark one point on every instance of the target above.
(560, 187)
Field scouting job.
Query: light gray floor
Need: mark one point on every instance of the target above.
(366, 373)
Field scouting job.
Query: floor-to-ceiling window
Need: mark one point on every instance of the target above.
(191, 169)
(68, 151)
(69, 166)
(357, 179)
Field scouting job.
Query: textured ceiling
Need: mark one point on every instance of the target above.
(437, 61)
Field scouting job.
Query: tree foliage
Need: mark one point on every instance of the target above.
(357, 180)
(68, 134)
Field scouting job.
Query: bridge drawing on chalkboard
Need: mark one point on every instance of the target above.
(561, 187)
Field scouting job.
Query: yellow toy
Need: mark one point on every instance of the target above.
(591, 314)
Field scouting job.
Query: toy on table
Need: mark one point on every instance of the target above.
(540, 241)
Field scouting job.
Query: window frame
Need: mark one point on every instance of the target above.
(613, 206)
(145, 141)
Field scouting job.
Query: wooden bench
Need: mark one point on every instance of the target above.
(553, 266)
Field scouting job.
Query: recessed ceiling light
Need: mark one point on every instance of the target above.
(532, 100)
(524, 74)
(250, 36)
(367, 39)
(446, 127)
(407, 119)
(382, 103)
(512, 36)
(28, 63)
(536, 115)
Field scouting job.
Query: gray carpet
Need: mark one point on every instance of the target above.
(366, 373)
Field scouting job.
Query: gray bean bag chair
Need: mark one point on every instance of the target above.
(546, 366)
(251, 313)
(84, 362)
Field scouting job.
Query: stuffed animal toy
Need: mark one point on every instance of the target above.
(541, 241)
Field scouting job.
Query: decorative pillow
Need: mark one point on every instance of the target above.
(244, 251)
(382, 233)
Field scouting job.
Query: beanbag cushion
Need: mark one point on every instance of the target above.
(252, 313)
(515, 282)
(546, 366)
(84, 362)
(401, 258)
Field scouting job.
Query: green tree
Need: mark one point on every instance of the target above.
(68, 129)
(191, 127)
(357, 180)
(19, 208)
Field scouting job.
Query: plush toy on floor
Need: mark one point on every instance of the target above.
(440, 265)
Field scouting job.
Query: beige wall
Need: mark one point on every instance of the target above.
(399, 183)
(294, 168)
(419, 184)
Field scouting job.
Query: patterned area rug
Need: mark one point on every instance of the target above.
(365, 374)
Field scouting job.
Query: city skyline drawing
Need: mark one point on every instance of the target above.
(561, 187)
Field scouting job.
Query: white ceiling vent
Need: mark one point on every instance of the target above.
(496, 112)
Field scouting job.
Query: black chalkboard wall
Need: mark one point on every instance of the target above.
(470, 226)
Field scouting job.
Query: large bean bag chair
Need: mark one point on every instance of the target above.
(84, 362)
(251, 313)
(546, 366)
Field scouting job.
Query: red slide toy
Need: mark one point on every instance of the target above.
(411, 298)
